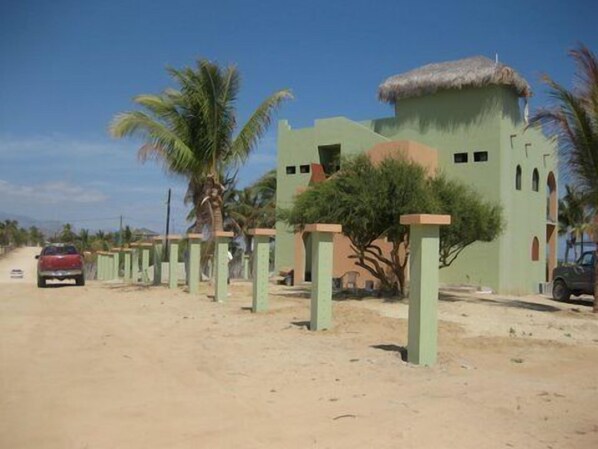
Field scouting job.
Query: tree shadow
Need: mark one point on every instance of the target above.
(401, 350)
(305, 324)
(130, 287)
(502, 302)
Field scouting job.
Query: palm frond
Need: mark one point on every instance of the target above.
(257, 125)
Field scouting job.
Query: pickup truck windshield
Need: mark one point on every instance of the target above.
(60, 250)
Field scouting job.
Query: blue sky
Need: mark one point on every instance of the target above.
(66, 67)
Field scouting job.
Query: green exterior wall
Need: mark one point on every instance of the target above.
(454, 121)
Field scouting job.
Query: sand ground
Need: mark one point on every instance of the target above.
(115, 366)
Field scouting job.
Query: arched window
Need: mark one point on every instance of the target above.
(518, 178)
(535, 249)
(536, 180)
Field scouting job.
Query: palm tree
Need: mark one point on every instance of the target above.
(190, 129)
(574, 219)
(67, 234)
(574, 121)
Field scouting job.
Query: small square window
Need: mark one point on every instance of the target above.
(291, 169)
(460, 158)
(304, 168)
(480, 156)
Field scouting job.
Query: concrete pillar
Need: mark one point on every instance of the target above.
(145, 258)
(158, 252)
(127, 264)
(246, 266)
(135, 262)
(321, 274)
(261, 267)
(194, 262)
(222, 238)
(104, 266)
(99, 263)
(424, 246)
(173, 261)
(116, 262)
(108, 266)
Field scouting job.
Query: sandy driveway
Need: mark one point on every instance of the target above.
(113, 366)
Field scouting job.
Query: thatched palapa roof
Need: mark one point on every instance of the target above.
(477, 71)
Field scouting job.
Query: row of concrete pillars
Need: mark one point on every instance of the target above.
(424, 248)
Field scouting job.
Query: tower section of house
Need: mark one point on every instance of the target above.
(471, 112)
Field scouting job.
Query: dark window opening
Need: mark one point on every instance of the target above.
(304, 168)
(330, 158)
(460, 158)
(291, 169)
(480, 156)
(536, 180)
(518, 178)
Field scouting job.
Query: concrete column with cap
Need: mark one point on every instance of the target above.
(158, 250)
(261, 267)
(424, 247)
(108, 266)
(127, 264)
(115, 262)
(145, 258)
(173, 261)
(222, 239)
(321, 277)
(194, 262)
(135, 262)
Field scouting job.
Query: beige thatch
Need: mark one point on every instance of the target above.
(476, 71)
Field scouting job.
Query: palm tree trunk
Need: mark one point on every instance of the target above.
(217, 211)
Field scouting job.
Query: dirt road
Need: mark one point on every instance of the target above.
(114, 366)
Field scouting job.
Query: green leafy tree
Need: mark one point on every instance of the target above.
(67, 235)
(8, 232)
(127, 235)
(191, 129)
(368, 199)
(574, 219)
(36, 237)
(573, 120)
(472, 219)
(254, 207)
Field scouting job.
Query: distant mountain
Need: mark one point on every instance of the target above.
(48, 227)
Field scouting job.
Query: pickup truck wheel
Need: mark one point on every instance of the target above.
(560, 292)
(80, 280)
(41, 282)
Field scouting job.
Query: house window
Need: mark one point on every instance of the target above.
(330, 158)
(291, 169)
(535, 249)
(480, 156)
(536, 180)
(460, 158)
(518, 178)
(304, 168)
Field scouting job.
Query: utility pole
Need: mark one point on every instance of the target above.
(120, 233)
(167, 227)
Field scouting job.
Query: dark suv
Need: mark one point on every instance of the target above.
(575, 279)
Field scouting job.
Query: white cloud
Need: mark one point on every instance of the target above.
(51, 192)
(59, 145)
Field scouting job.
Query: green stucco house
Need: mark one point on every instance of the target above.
(466, 118)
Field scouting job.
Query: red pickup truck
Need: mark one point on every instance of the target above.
(60, 261)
